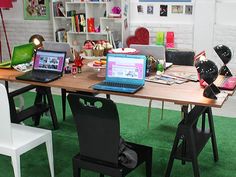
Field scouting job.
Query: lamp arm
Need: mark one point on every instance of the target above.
(5, 32)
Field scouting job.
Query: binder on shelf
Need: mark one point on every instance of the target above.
(58, 9)
(61, 35)
(73, 27)
(82, 22)
(77, 23)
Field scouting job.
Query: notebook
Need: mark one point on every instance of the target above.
(226, 82)
(124, 73)
(48, 66)
(157, 51)
(21, 54)
(59, 46)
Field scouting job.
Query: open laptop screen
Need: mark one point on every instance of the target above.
(129, 68)
(49, 60)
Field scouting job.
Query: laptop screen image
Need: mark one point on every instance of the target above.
(126, 68)
(49, 61)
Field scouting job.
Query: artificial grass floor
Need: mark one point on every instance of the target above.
(133, 120)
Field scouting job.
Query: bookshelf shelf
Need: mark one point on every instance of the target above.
(72, 16)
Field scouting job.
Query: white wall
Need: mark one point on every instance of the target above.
(212, 23)
(20, 30)
(181, 24)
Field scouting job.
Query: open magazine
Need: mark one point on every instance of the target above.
(165, 79)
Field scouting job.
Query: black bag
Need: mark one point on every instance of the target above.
(127, 156)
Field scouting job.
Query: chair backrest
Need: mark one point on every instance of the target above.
(180, 57)
(98, 127)
(5, 125)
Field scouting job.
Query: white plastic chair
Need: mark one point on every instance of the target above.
(17, 139)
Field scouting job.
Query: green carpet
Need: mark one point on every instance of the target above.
(133, 121)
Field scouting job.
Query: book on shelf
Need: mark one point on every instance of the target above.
(78, 23)
(58, 9)
(61, 35)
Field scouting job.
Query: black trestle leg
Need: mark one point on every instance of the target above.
(193, 139)
(213, 136)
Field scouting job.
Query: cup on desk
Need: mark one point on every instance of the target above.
(74, 70)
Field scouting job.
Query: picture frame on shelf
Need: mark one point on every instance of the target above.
(36, 10)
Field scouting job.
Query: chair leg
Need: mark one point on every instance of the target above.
(149, 164)
(50, 156)
(16, 165)
(162, 109)
(76, 169)
(149, 111)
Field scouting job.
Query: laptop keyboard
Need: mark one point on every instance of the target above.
(42, 75)
(120, 85)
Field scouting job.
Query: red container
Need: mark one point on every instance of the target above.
(90, 23)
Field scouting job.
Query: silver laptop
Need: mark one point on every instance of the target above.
(157, 51)
(59, 46)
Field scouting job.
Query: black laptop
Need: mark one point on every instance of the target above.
(48, 66)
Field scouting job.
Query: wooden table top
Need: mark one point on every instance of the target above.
(186, 93)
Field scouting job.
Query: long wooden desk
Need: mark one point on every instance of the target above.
(193, 139)
(185, 94)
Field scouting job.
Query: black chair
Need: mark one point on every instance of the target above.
(177, 57)
(63, 99)
(98, 128)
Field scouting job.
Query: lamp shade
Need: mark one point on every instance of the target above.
(37, 39)
(207, 70)
(5, 3)
(224, 53)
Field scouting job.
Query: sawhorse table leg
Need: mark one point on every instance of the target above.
(190, 140)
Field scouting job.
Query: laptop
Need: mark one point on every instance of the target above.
(226, 82)
(21, 54)
(48, 66)
(59, 46)
(157, 51)
(124, 73)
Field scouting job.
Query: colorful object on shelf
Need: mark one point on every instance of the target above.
(170, 37)
(90, 24)
(160, 38)
(97, 29)
(141, 36)
(116, 10)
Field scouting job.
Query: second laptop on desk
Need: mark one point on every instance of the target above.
(124, 73)
(48, 66)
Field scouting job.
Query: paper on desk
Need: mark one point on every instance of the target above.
(23, 67)
(183, 75)
(165, 79)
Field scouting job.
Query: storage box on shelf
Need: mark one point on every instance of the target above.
(83, 20)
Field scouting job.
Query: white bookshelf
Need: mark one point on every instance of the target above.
(99, 10)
